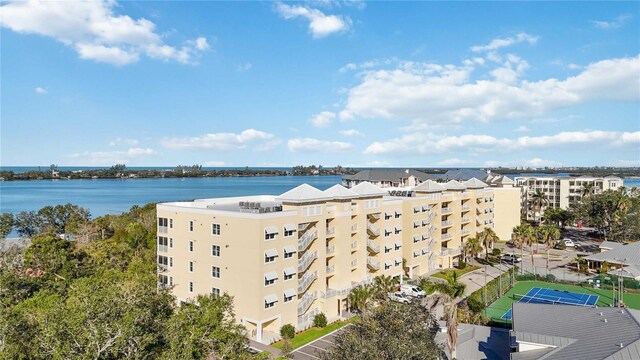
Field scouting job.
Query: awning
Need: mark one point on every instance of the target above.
(425, 250)
(388, 246)
(398, 260)
(289, 271)
(388, 230)
(270, 299)
(398, 244)
(388, 263)
(416, 253)
(425, 222)
(416, 209)
(388, 214)
(416, 238)
(271, 275)
(416, 223)
(398, 228)
(290, 249)
(290, 227)
(425, 236)
(271, 253)
(289, 293)
(271, 230)
(425, 207)
(398, 212)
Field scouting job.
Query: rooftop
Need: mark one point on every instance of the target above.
(477, 342)
(392, 175)
(620, 253)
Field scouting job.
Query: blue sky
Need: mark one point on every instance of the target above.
(417, 84)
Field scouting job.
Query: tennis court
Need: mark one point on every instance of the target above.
(550, 296)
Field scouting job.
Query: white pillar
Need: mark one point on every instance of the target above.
(259, 331)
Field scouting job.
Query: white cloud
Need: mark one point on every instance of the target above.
(433, 143)
(260, 140)
(630, 163)
(366, 65)
(95, 31)
(214, 163)
(323, 119)
(444, 94)
(521, 128)
(452, 162)
(40, 90)
(496, 44)
(535, 162)
(244, 67)
(350, 132)
(119, 141)
(320, 25)
(316, 145)
(111, 157)
(616, 23)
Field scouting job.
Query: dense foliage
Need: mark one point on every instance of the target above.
(98, 298)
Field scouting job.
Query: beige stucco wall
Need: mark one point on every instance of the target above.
(507, 211)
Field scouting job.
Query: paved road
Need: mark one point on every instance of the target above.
(312, 350)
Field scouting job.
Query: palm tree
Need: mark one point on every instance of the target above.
(361, 297)
(520, 236)
(487, 237)
(446, 294)
(384, 284)
(549, 236)
(539, 200)
(587, 190)
(472, 248)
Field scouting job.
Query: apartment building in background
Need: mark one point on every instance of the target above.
(286, 258)
(561, 191)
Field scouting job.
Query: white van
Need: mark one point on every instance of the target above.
(412, 290)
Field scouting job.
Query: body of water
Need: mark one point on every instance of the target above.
(102, 196)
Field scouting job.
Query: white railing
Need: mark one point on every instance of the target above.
(306, 239)
(163, 229)
(373, 264)
(303, 227)
(454, 251)
(446, 236)
(305, 282)
(447, 223)
(374, 216)
(354, 227)
(466, 219)
(331, 249)
(306, 260)
(331, 230)
(466, 207)
(426, 222)
(306, 301)
(373, 247)
(335, 292)
(446, 209)
(354, 245)
(464, 231)
(163, 248)
(373, 230)
(163, 268)
(354, 262)
(330, 269)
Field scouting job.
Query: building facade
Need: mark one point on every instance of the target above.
(286, 258)
(561, 191)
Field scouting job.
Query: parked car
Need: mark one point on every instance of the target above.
(568, 242)
(398, 297)
(510, 258)
(412, 290)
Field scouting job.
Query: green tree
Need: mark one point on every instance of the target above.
(384, 284)
(549, 236)
(611, 210)
(539, 201)
(27, 223)
(558, 217)
(472, 248)
(487, 237)
(361, 297)
(393, 331)
(6, 224)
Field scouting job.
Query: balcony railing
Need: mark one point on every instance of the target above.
(163, 248)
(331, 231)
(373, 247)
(303, 227)
(354, 228)
(306, 301)
(373, 230)
(354, 262)
(466, 207)
(447, 223)
(306, 239)
(446, 236)
(453, 251)
(331, 269)
(447, 210)
(373, 264)
(375, 216)
(354, 245)
(464, 231)
(465, 219)
(306, 260)
(306, 280)
(331, 249)
(163, 229)
(163, 268)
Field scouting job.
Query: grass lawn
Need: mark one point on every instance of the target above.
(500, 306)
(314, 333)
(444, 273)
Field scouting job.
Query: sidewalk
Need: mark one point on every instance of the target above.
(273, 352)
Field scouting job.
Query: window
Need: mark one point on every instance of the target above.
(289, 296)
(215, 292)
(170, 262)
(163, 241)
(163, 260)
(269, 282)
(191, 225)
(190, 266)
(215, 272)
(215, 250)
(288, 232)
(270, 278)
(215, 229)
(288, 276)
(270, 301)
(163, 280)
(163, 222)
(170, 223)
(289, 251)
(190, 245)
(170, 243)
(268, 236)
(190, 286)
(270, 255)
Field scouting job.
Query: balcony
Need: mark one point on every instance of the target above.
(331, 249)
(375, 216)
(446, 210)
(373, 247)
(354, 228)
(372, 230)
(303, 227)
(373, 264)
(163, 229)
(451, 252)
(306, 302)
(464, 231)
(331, 231)
(306, 239)
(306, 261)
(163, 248)
(331, 269)
(465, 219)
(465, 207)
(354, 245)
(354, 263)
(446, 236)
(306, 280)
(163, 268)
(447, 223)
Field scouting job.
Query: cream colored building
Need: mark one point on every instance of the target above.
(561, 191)
(286, 258)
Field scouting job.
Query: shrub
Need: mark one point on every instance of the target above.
(287, 331)
(476, 305)
(496, 252)
(320, 320)
(561, 246)
(462, 264)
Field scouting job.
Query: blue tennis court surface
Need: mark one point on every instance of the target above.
(550, 296)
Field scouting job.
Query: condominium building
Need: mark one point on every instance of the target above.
(561, 191)
(286, 258)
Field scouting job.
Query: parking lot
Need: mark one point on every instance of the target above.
(312, 350)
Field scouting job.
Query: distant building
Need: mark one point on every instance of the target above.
(561, 191)
(565, 332)
(286, 258)
(624, 258)
(385, 178)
